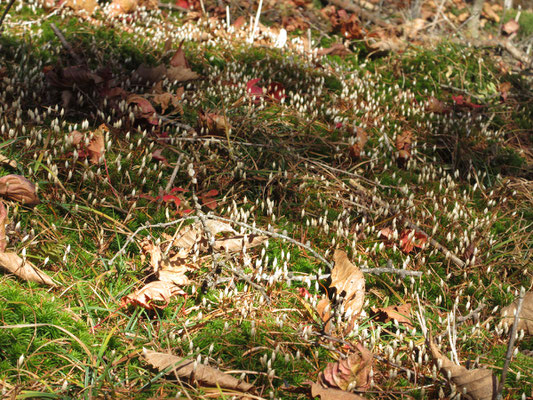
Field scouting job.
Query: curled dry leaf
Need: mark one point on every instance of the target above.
(24, 269)
(7, 161)
(323, 308)
(167, 267)
(403, 144)
(360, 141)
(351, 372)
(88, 6)
(349, 282)
(189, 235)
(145, 110)
(189, 369)
(3, 218)
(326, 393)
(18, 188)
(96, 146)
(237, 243)
(525, 319)
(179, 69)
(399, 313)
(511, 27)
(336, 49)
(155, 294)
(151, 74)
(476, 384)
(410, 240)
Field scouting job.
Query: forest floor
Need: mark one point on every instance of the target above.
(199, 210)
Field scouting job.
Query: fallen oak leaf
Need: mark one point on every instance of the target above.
(18, 188)
(351, 372)
(410, 239)
(349, 282)
(403, 144)
(153, 295)
(145, 108)
(525, 319)
(187, 368)
(326, 393)
(237, 243)
(360, 141)
(24, 269)
(476, 384)
(399, 313)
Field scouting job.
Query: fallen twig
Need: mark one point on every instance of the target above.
(65, 43)
(9, 5)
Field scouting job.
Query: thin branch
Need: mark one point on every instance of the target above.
(9, 5)
(65, 43)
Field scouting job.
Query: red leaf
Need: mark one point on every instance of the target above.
(170, 197)
(183, 4)
(276, 91)
(254, 91)
(409, 242)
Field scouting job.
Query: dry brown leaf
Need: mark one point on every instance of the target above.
(525, 319)
(349, 282)
(24, 269)
(151, 74)
(237, 243)
(3, 218)
(511, 27)
(489, 13)
(155, 294)
(7, 161)
(357, 147)
(403, 144)
(336, 49)
(399, 313)
(167, 268)
(191, 234)
(189, 369)
(476, 383)
(18, 188)
(181, 74)
(96, 145)
(323, 308)
(351, 372)
(332, 394)
(89, 6)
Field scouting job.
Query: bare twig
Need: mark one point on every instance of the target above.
(510, 347)
(65, 43)
(9, 5)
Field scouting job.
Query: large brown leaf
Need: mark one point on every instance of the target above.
(399, 313)
(18, 188)
(24, 269)
(186, 368)
(155, 294)
(351, 372)
(525, 319)
(477, 384)
(332, 394)
(349, 282)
